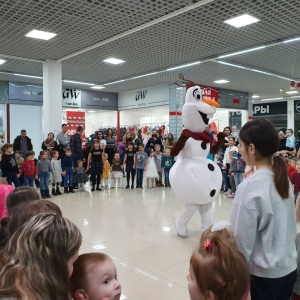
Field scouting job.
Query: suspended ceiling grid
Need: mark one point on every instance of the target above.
(199, 34)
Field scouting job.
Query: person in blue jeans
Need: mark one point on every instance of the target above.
(9, 166)
(68, 171)
(141, 165)
(167, 163)
(44, 168)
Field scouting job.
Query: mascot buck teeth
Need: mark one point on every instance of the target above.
(195, 179)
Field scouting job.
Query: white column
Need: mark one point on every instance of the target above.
(52, 97)
(290, 114)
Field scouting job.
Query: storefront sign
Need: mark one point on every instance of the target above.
(3, 91)
(71, 97)
(153, 96)
(99, 100)
(25, 93)
(297, 106)
(267, 109)
(74, 119)
(208, 92)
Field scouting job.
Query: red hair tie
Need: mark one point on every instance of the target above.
(208, 244)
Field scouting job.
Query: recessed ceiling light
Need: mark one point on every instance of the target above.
(255, 96)
(97, 87)
(114, 61)
(292, 92)
(184, 66)
(221, 81)
(78, 82)
(2, 61)
(241, 21)
(42, 35)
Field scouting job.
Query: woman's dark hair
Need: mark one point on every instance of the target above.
(109, 130)
(93, 146)
(132, 144)
(25, 212)
(263, 135)
(19, 196)
(98, 133)
(227, 127)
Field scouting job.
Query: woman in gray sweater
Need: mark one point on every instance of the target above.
(263, 217)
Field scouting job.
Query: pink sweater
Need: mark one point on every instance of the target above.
(5, 190)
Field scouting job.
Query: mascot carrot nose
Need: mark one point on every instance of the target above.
(210, 102)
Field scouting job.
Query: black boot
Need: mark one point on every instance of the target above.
(53, 192)
(98, 188)
(58, 191)
(93, 188)
(43, 194)
(66, 190)
(47, 194)
(71, 189)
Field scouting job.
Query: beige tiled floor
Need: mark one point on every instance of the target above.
(136, 228)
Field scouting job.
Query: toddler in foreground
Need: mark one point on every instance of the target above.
(217, 269)
(94, 277)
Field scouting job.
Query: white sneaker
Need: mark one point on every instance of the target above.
(120, 186)
(228, 192)
(181, 229)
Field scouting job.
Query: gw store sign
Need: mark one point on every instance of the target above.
(71, 97)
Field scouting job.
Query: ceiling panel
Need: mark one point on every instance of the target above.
(199, 34)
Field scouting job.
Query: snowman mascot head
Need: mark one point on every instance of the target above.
(197, 110)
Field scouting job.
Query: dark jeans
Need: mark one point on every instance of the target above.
(68, 180)
(29, 180)
(272, 288)
(96, 170)
(130, 170)
(13, 179)
(44, 181)
(167, 172)
(139, 177)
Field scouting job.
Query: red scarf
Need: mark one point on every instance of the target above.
(201, 136)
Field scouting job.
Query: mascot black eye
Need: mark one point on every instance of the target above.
(197, 95)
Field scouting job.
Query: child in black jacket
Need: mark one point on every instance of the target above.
(9, 166)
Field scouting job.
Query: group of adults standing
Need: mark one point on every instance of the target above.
(108, 143)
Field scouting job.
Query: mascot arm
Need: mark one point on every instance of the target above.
(219, 144)
(180, 143)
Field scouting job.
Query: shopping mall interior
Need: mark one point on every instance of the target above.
(117, 64)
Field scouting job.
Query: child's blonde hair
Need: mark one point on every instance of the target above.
(219, 267)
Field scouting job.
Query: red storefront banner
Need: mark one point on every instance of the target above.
(208, 92)
(74, 119)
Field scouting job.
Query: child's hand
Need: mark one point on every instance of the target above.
(18, 175)
(63, 173)
(36, 177)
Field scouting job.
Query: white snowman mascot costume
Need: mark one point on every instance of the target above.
(195, 179)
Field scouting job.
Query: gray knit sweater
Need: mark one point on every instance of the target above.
(43, 165)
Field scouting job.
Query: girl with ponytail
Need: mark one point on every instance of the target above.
(218, 271)
(263, 216)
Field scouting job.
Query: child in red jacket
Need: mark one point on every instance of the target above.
(29, 169)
